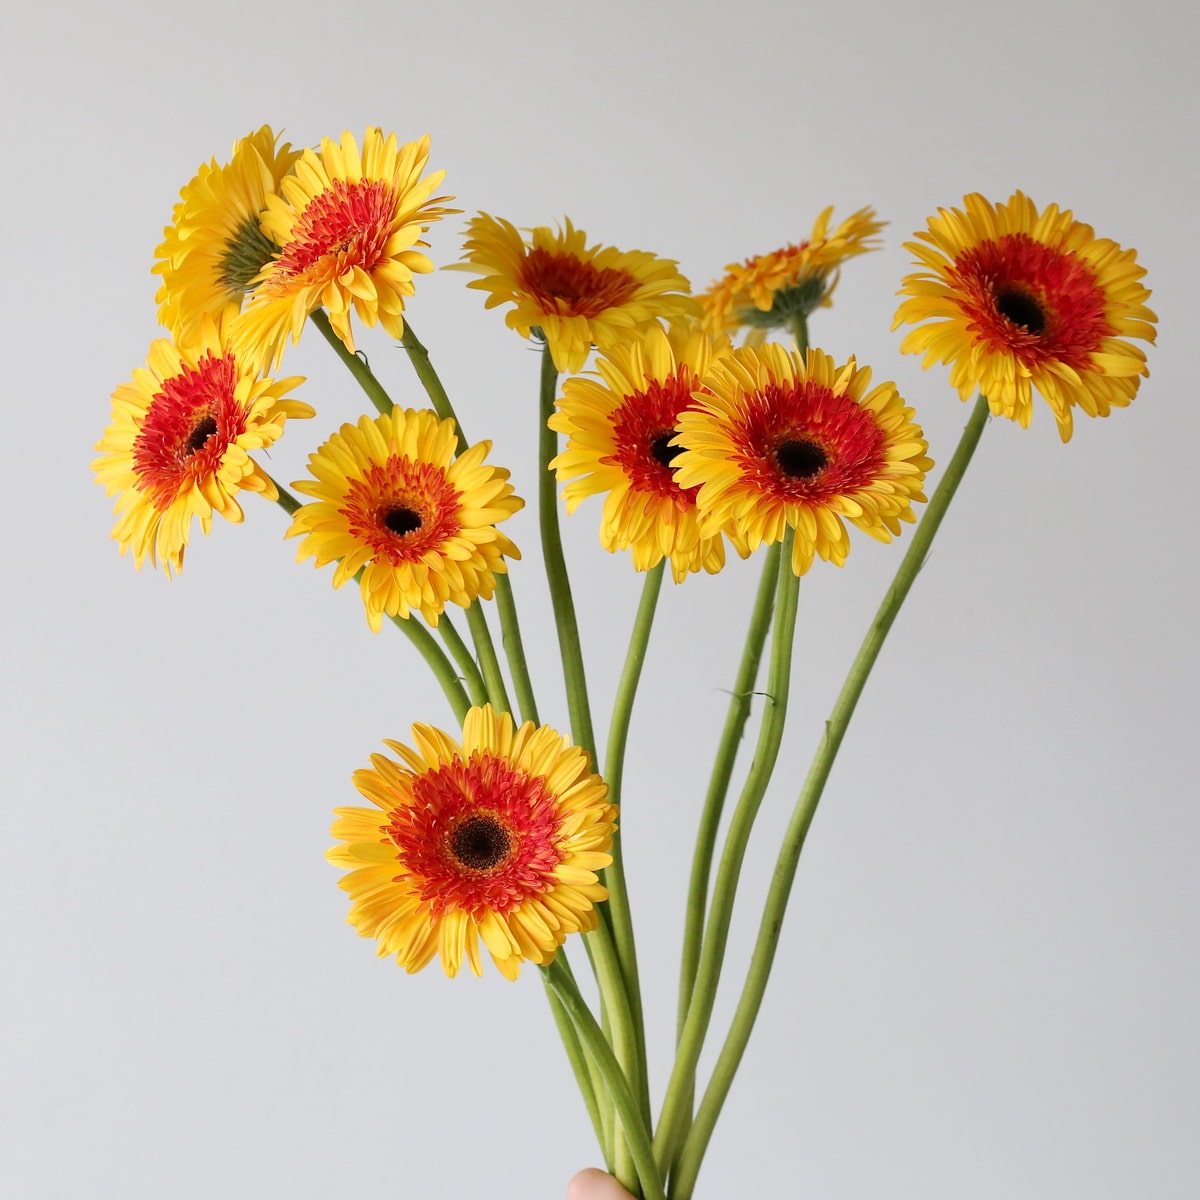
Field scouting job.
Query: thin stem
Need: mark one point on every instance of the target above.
(614, 770)
(510, 627)
(643, 1180)
(806, 806)
(798, 326)
(465, 660)
(357, 366)
(482, 637)
(431, 382)
(556, 568)
(718, 787)
(673, 1122)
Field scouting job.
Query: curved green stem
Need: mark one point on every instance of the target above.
(431, 382)
(675, 1115)
(614, 770)
(465, 660)
(718, 787)
(286, 500)
(798, 326)
(357, 366)
(644, 1179)
(556, 568)
(481, 635)
(806, 806)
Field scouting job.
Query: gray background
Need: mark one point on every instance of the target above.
(988, 980)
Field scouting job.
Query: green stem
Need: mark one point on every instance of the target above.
(718, 787)
(286, 500)
(510, 627)
(799, 330)
(675, 1116)
(614, 770)
(431, 382)
(643, 1179)
(482, 637)
(580, 1067)
(556, 568)
(465, 660)
(806, 806)
(357, 366)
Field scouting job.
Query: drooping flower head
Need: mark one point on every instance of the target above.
(1015, 300)
(619, 432)
(180, 440)
(769, 291)
(348, 225)
(497, 840)
(214, 247)
(576, 295)
(776, 440)
(392, 501)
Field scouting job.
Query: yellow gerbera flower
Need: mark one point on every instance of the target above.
(1017, 300)
(347, 224)
(214, 247)
(776, 440)
(574, 294)
(619, 432)
(178, 446)
(769, 291)
(393, 502)
(497, 840)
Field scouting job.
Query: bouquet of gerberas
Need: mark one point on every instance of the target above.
(502, 836)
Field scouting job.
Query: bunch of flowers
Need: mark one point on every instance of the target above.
(502, 837)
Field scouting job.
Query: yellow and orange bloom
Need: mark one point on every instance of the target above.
(1017, 300)
(349, 226)
(392, 501)
(497, 840)
(576, 295)
(214, 247)
(776, 441)
(180, 441)
(620, 429)
(770, 291)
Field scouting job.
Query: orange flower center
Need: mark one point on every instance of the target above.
(803, 442)
(642, 428)
(345, 226)
(570, 287)
(478, 836)
(188, 427)
(1035, 301)
(402, 509)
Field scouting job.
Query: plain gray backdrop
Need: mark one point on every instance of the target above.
(988, 981)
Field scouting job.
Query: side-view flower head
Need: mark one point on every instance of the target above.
(576, 295)
(770, 291)
(1016, 300)
(776, 440)
(349, 225)
(498, 839)
(180, 440)
(392, 501)
(620, 429)
(214, 247)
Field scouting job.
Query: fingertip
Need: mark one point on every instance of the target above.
(594, 1184)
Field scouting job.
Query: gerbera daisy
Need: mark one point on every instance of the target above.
(1017, 300)
(498, 839)
(393, 502)
(214, 246)
(178, 446)
(776, 440)
(770, 291)
(619, 431)
(576, 295)
(348, 225)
